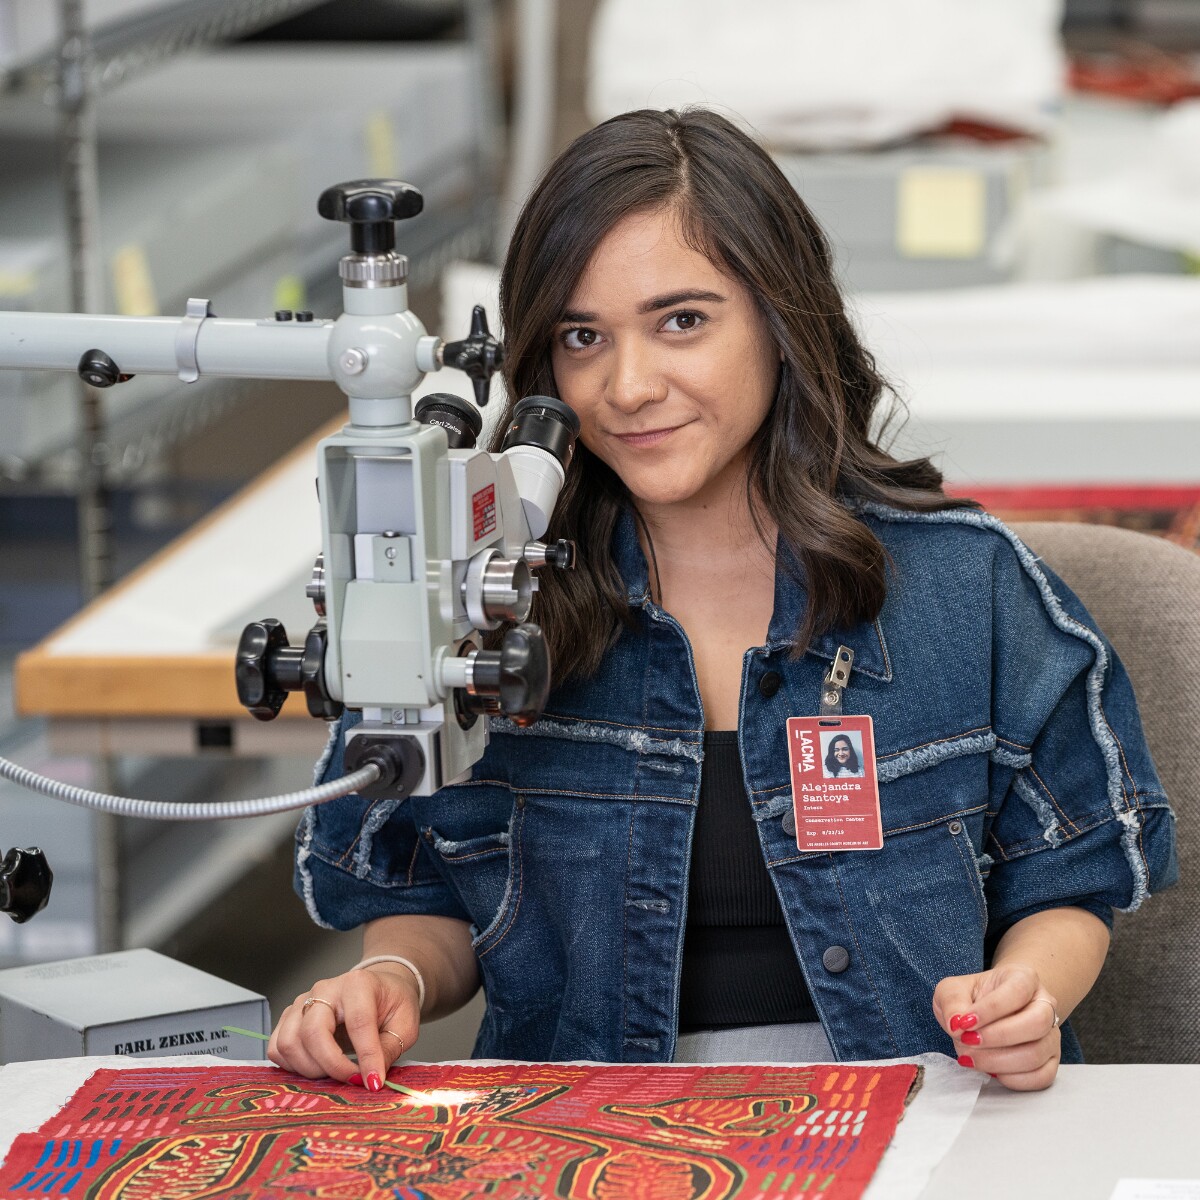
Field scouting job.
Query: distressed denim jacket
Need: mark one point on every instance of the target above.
(1013, 771)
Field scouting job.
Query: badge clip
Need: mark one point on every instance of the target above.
(836, 682)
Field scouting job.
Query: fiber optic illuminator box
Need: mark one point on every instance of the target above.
(134, 1002)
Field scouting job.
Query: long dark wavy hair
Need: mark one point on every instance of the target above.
(817, 447)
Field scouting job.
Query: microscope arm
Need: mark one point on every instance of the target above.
(244, 349)
(427, 543)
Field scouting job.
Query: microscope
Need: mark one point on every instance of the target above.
(428, 543)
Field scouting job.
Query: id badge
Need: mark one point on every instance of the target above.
(834, 790)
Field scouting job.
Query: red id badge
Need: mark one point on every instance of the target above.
(834, 790)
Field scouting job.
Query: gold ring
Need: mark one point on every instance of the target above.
(396, 1036)
(1043, 1000)
(317, 1000)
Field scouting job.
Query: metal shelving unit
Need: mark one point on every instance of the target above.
(107, 57)
(85, 65)
(170, 873)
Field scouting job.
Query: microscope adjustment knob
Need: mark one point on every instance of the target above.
(267, 668)
(25, 882)
(560, 554)
(479, 355)
(517, 675)
(370, 207)
(99, 371)
(259, 688)
(524, 674)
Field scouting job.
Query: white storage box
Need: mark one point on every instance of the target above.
(931, 215)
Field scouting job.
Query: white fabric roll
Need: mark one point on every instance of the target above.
(832, 73)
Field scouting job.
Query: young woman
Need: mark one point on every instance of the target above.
(841, 760)
(624, 876)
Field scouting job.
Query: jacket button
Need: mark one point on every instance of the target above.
(768, 685)
(836, 959)
(789, 823)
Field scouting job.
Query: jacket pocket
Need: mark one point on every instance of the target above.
(479, 871)
(925, 897)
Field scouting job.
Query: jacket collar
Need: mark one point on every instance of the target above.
(866, 639)
(631, 562)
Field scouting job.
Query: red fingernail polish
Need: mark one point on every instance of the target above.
(971, 1038)
(990, 1075)
(955, 1023)
(969, 1021)
(374, 1083)
(355, 1080)
(965, 1060)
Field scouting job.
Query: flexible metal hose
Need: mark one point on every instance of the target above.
(171, 810)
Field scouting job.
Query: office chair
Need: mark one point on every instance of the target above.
(1144, 593)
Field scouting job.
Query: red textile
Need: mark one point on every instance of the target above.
(1169, 511)
(518, 1131)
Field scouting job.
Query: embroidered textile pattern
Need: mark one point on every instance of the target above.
(517, 1132)
(1168, 512)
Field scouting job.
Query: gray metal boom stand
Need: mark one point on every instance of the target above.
(426, 541)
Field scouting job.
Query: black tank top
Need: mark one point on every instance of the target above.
(739, 967)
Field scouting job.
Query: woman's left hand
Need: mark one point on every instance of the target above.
(1003, 1022)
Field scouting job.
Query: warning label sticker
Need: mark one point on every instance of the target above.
(483, 511)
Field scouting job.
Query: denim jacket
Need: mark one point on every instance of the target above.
(1014, 777)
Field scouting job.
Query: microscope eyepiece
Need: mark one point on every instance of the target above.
(461, 420)
(545, 422)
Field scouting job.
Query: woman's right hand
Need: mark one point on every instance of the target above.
(376, 1009)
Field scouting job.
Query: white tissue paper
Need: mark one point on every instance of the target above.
(1152, 197)
(817, 74)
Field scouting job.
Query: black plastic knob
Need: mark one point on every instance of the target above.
(25, 882)
(370, 207)
(561, 554)
(258, 687)
(98, 369)
(479, 355)
(518, 674)
(268, 667)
